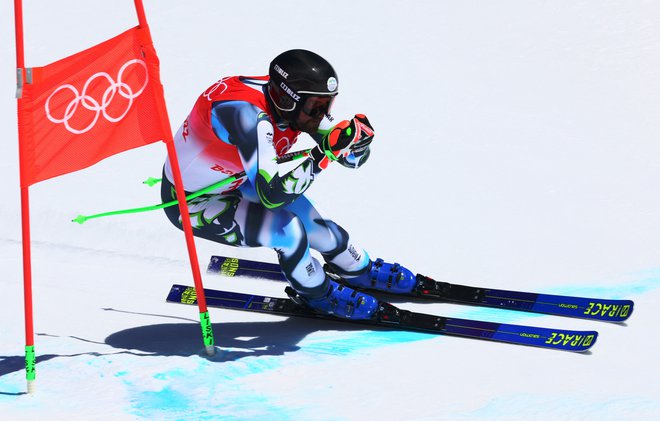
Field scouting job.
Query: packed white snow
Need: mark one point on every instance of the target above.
(516, 147)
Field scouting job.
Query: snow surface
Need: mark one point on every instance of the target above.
(517, 148)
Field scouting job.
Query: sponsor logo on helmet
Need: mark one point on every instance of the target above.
(288, 90)
(332, 84)
(279, 70)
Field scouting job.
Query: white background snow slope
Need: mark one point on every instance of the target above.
(517, 147)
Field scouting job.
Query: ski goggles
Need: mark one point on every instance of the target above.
(317, 106)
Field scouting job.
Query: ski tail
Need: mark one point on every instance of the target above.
(232, 266)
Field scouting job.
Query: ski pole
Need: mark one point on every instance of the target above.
(81, 219)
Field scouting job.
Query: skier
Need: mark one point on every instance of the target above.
(241, 125)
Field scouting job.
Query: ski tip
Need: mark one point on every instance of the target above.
(573, 341)
(587, 348)
(615, 312)
(632, 307)
(629, 306)
(566, 340)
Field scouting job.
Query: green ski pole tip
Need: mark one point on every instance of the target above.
(80, 219)
(151, 181)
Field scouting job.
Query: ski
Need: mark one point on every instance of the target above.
(391, 317)
(580, 307)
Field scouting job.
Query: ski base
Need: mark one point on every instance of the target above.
(559, 305)
(389, 316)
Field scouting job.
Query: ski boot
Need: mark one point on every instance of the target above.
(381, 276)
(342, 301)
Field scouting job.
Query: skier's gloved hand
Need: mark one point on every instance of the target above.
(348, 136)
(366, 135)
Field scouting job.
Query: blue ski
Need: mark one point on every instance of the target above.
(581, 307)
(391, 317)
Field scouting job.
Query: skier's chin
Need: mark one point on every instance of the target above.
(309, 126)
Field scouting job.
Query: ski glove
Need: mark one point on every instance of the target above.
(347, 137)
(366, 135)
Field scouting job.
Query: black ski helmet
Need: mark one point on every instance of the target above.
(297, 75)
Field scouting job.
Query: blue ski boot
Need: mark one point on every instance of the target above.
(343, 302)
(387, 277)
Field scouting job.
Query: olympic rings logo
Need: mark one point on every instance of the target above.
(221, 83)
(85, 100)
(283, 144)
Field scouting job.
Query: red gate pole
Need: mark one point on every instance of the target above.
(205, 320)
(30, 358)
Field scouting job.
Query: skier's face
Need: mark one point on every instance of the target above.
(313, 111)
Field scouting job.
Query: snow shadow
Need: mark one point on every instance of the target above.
(234, 340)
